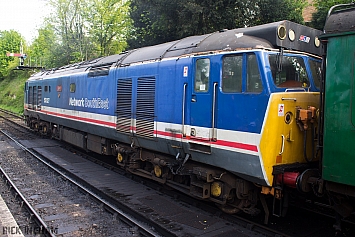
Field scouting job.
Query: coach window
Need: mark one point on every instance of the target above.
(202, 75)
(232, 73)
(253, 75)
(72, 87)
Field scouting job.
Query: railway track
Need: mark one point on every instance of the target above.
(65, 198)
(42, 227)
(246, 225)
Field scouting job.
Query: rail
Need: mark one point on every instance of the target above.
(144, 229)
(12, 113)
(39, 221)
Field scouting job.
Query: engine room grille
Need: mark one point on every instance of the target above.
(30, 97)
(124, 101)
(39, 98)
(145, 112)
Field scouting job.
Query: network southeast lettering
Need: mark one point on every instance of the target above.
(94, 103)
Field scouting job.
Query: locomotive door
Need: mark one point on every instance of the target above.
(203, 94)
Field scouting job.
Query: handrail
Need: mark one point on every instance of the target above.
(214, 109)
(282, 144)
(339, 5)
(283, 98)
(183, 110)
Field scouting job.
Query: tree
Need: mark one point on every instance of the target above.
(206, 16)
(43, 47)
(10, 42)
(109, 24)
(276, 10)
(322, 8)
(69, 26)
(154, 21)
(158, 21)
(87, 29)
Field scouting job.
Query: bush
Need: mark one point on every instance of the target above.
(12, 90)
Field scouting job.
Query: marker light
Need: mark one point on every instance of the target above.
(316, 42)
(291, 35)
(281, 32)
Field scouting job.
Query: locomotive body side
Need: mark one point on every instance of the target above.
(210, 123)
(240, 125)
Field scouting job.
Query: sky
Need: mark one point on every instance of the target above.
(24, 16)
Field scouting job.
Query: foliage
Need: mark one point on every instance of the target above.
(158, 21)
(322, 8)
(10, 42)
(43, 48)
(154, 21)
(12, 89)
(68, 22)
(108, 25)
(87, 29)
(280, 10)
(201, 17)
(78, 30)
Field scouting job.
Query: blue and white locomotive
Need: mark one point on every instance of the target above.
(223, 116)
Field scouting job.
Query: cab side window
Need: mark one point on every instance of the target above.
(316, 69)
(202, 75)
(232, 73)
(253, 75)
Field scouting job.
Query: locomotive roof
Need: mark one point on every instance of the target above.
(263, 36)
(340, 21)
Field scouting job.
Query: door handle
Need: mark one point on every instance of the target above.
(193, 99)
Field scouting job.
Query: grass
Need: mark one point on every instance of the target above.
(12, 90)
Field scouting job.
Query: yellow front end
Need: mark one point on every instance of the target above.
(282, 137)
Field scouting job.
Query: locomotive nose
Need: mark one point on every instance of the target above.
(288, 134)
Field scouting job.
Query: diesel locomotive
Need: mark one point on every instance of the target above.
(229, 117)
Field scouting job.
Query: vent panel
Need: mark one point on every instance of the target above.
(124, 102)
(145, 113)
(39, 98)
